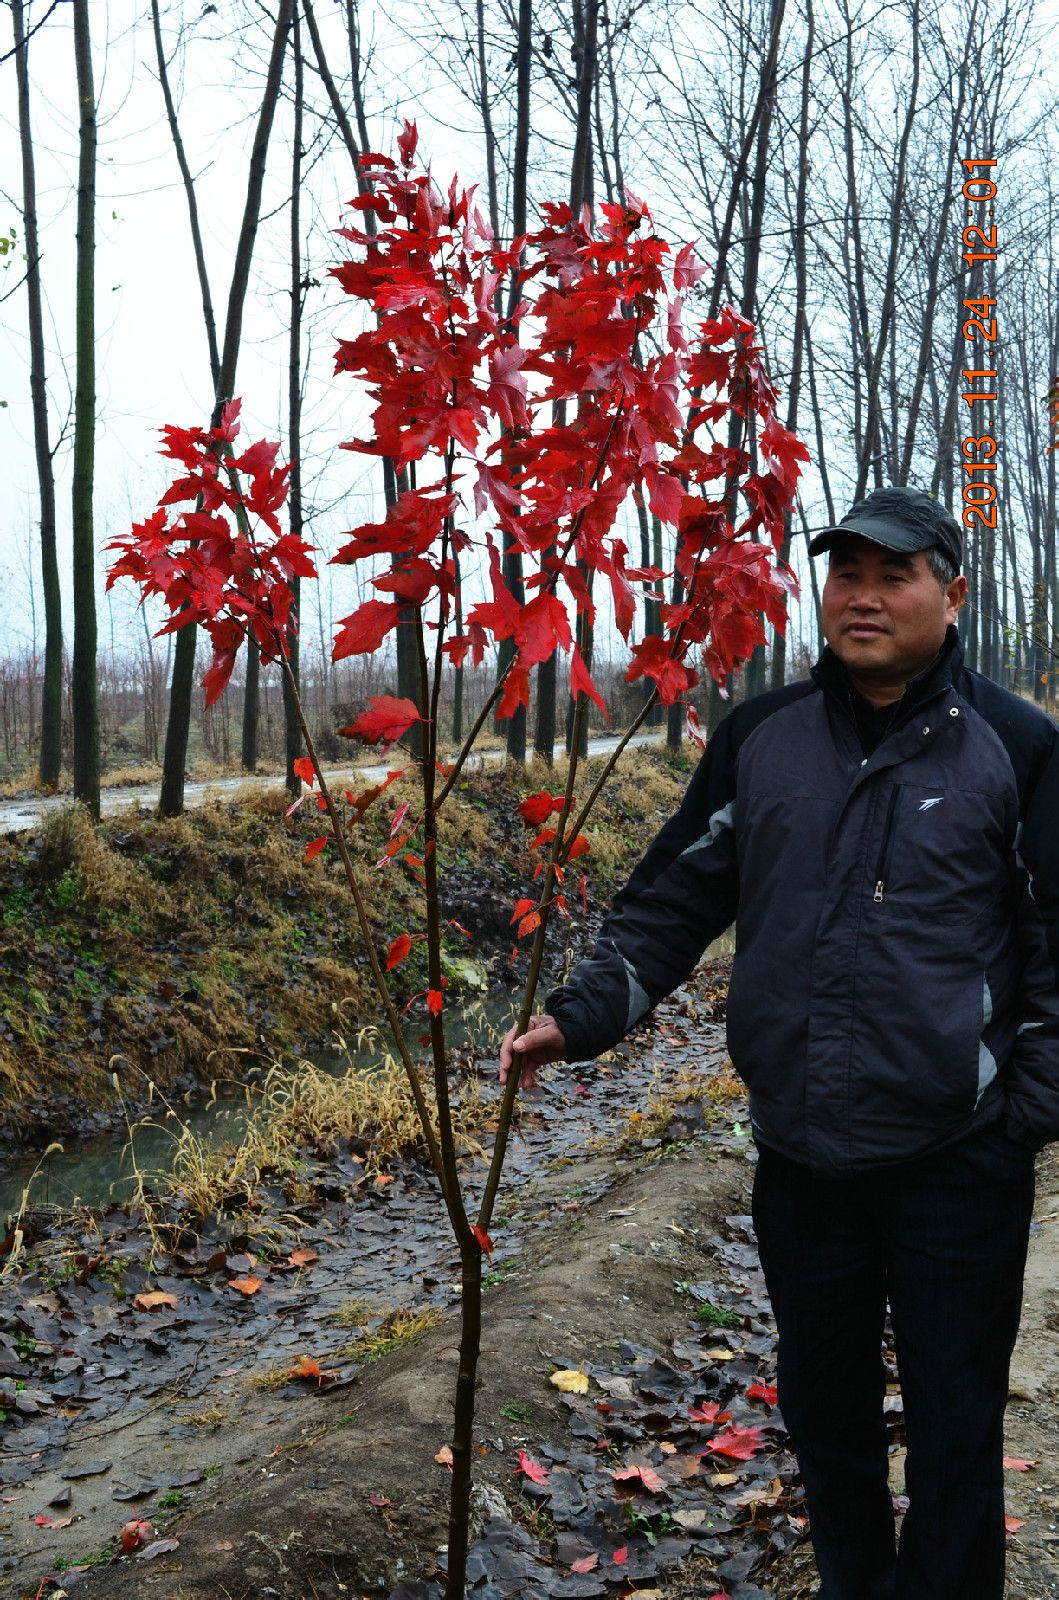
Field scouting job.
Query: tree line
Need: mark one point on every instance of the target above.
(815, 150)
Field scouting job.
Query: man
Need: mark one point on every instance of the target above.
(886, 837)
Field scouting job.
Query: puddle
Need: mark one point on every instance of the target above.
(103, 1167)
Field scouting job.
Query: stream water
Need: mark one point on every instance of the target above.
(103, 1167)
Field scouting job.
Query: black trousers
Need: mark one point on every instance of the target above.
(943, 1239)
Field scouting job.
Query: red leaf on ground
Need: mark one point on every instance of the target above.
(313, 848)
(1012, 1524)
(531, 1469)
(763, 1391)
(136, 1533)
(709, 1413)
(740, 1444)
(399, 948)
(620, 1557)
(1017, 1464)
(585, 1563)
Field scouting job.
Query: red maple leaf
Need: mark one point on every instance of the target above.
(397, 951)
(740, 1444)
(389, 719)
(531, 1469)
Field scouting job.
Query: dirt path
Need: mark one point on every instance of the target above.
(29, 810)
(640, 1268)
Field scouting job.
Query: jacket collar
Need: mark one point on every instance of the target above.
(830, 675)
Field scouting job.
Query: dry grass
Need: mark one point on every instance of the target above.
(395, 1331)
(295, 1110)
(75, 863)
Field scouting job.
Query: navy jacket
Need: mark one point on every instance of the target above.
(897, 917)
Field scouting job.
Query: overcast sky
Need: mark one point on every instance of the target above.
(152, 364)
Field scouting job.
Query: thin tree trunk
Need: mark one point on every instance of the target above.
(84, 683)
(801, 282)
(171, 800)
(515, 727)
(50, 757)
(292, 683)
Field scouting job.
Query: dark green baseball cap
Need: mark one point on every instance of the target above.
(901, 519)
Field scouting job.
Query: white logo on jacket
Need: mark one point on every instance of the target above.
(925, 805)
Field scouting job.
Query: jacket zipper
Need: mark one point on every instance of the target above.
(882, 871)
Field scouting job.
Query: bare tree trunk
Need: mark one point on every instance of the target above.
(586, 27)
(292, 682)
(84, 681)
(50, 758)
(517, 723)
(171, 800)
(801, 281)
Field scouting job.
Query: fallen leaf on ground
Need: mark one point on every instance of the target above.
(710, 1412)
(571, 1380)
(379, 1500)
(585, 1563)
(154, 1300)
(531, 1469)
(160, 1547)
(738, 1443)
(302, 1257)
(645, 1475)
(763, 1391)
(1017, 1464)
(245, 1285)
(136, 1533)
(1012, 1524)
(444, 1456)
(620, 1557)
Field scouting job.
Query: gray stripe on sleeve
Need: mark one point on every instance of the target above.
(718, 822)
(639, 1004)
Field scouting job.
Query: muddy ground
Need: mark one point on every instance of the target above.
(638, 1266)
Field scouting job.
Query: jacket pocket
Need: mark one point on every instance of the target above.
(884, 862)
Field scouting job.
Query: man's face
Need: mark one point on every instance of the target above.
(884, 613)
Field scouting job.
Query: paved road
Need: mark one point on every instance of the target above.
(17, 816)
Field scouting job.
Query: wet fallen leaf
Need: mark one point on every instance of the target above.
(571, 1380)
(586, 1563)
(136, 1533)
(245, 1285)
(53, 1522)
(766, 1392)
(620, 1557)
(380, 1500)
(531, 1469)
(640, 1474)
(444, 1456)
(160, 1547)
(302, 1257)
(1017, 1464)
(1012, 1524)
(722, 1480)
(154, 1300)
(738, 1443)
(709, 1413)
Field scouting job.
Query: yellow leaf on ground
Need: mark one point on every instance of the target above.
(572, 1380)
(154, 1300)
